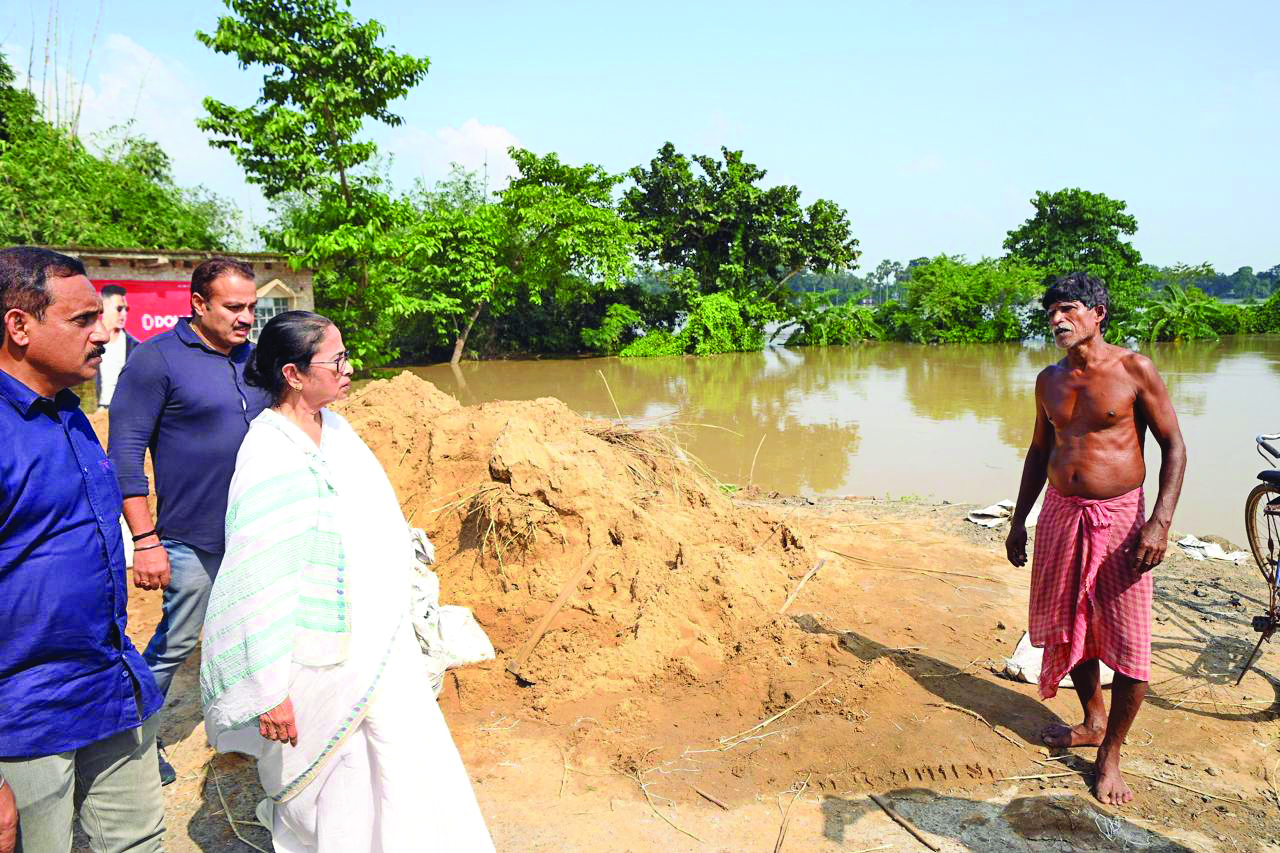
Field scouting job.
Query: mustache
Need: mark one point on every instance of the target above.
(98, 352)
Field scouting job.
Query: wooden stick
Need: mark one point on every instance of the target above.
(610, 390)
(904, 823)
(1238, 801)
(878, 565)
(751, 475)
(564, 761)
(649, 800)
(786, 815)
(804, 580)
(227, 810)
(708, 797)
(566, 591)
(777, 716)
(978, 716)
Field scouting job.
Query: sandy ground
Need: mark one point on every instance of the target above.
(674, 705)
(910, 628)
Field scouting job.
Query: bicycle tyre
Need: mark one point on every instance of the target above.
(1262, 540)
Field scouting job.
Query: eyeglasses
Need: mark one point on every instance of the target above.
(340, 363)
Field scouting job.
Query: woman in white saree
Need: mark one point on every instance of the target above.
(309, 660)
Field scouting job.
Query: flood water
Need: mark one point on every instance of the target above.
(901, 420)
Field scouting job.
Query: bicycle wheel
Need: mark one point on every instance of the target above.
(1263, 528)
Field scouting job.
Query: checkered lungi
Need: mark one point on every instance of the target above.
(1087, 599)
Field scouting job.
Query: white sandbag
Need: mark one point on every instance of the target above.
(449, 636)
(998, 513)
(1026, 660)
(1198, 549)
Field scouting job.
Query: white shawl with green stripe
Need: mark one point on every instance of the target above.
(280, 594)
(311, 598)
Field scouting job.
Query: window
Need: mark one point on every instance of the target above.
(268, 307)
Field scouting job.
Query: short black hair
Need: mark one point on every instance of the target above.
(203, 276)
(1080, 287)
(288, 338)
(24, 272)
(113, 290)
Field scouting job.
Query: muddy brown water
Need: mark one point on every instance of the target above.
(901, 420)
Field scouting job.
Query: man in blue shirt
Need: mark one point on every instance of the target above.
(183, 396)
(77, 702)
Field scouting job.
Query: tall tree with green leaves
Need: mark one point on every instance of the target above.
(1077, 230)
(730, 232)
(552, 234)
(324, 75)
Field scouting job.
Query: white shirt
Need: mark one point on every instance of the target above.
(112, 364)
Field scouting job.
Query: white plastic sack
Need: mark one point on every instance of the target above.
(998, 513)
(1198, 549)
(1025, 665)
(449, 636)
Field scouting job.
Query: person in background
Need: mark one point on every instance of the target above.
(115, 311)
(183, 397)
(310, 659)
(77, 703)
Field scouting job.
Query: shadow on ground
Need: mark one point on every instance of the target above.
(1040, 823)
(998, 705)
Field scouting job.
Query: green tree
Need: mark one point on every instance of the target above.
(55, 191)
(552, 235)
(324, 74)
(1077, 230)
(733, 235)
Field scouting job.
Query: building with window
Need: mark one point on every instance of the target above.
(158, 283)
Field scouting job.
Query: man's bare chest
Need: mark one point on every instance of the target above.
(1080, 404)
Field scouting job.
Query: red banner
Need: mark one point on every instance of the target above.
(154, 306)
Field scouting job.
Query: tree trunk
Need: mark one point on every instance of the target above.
(461, 343)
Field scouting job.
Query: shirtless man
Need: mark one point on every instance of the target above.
(1090, 580)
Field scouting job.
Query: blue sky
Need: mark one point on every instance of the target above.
(932, 123)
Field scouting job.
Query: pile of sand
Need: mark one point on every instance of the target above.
(516, 494)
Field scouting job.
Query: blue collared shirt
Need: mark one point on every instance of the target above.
(191, 406)
(68, 674)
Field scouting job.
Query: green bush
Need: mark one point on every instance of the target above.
(1180, 314)
(617, 328)
(718, 323)
(839, 325)
(1264, 319)
(657, 342)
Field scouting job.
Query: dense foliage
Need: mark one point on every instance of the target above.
(56, 191)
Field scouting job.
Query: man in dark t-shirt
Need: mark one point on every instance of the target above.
(183, 397)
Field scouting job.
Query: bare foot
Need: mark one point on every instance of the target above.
(1063, 737)
(1110, 787)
